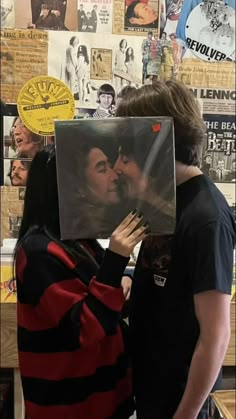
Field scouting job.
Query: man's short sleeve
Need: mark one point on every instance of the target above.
(211, 264)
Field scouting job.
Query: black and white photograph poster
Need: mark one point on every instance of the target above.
(109, 167)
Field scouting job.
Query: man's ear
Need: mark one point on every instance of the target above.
(136, 20)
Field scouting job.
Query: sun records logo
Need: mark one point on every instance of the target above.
(159, 280)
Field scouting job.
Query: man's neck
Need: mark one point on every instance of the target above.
(185, 172)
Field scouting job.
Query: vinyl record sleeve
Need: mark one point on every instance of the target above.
(108, 167)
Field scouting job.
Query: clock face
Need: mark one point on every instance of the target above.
(42, 100)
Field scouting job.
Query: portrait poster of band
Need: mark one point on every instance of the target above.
(108, 168)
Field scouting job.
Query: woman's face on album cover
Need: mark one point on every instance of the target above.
(132, 179)
(101, 179)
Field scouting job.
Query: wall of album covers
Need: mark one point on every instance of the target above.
(97, 47)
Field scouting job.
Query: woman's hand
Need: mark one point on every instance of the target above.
(128, 234)
(126, 284)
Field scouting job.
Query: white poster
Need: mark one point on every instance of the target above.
(71, 59)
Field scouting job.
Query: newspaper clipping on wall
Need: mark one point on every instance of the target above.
(101, 64)
(24, 55)
(57, 15)
(219, 151)
(12, 201)
(95, 16)
(95, 190)
(7, 14)
(197, 73)
(137, 17)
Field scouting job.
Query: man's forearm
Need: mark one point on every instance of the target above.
(206, 363)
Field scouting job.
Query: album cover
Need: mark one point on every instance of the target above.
(109, 167)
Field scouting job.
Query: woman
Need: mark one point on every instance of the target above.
(130, 63)
(82, 72)
(119, 64)
(71, 350)
(24, 142)
(71, 64)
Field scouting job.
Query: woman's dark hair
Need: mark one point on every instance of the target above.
(106, 89)
(173, 99)
(82, 50)
(41, 209)
(130, 10)
(41, 205)
(129, 57)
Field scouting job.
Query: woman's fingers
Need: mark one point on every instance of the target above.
(139, 234)
(131, 216)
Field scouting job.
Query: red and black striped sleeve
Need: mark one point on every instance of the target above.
(49, 287)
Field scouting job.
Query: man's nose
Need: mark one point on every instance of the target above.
(113, 175)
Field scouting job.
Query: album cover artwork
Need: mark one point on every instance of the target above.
(109, 167)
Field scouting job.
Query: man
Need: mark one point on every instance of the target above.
(24, 142)
(49, 14)
(220, 174)
(141, 15)
(81, 17)
(94, 18)
(18, 172)
(207, 158)
(180, 298)
(106, 101)
(231, 176)
(146, 53)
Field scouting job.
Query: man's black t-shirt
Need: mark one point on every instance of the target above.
(169, 271)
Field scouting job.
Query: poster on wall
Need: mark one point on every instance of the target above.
(161, 57)
(23, 55)
(12, 202)
(215, 101)
(210, 31)
(214, 7)
(219, 153)
(199, 73)
(18, 141)
(7, 284)
(16, 172)
(43, 99)
(135, 17)
(101, 64)
(95, 17)
(7, 14)
(46, 14)
(96, 188)
(170, 11)
(72, 59)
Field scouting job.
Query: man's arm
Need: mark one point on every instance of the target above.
(212, 309)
